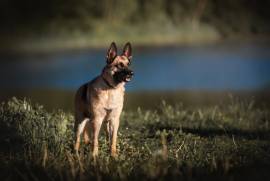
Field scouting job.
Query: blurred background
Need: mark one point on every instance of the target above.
(192, 51)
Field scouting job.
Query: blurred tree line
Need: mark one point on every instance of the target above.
(236, 15)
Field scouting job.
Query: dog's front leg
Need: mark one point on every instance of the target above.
(96, 125)
(114, 124)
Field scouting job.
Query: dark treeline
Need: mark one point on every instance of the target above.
(239, 15)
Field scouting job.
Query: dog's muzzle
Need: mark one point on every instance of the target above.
(124, 75)
(128, 75)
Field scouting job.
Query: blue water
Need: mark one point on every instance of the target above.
(215, 67)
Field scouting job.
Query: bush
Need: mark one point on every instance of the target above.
(30, 127)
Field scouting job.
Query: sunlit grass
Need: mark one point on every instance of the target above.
(103, 33)
(172, 141)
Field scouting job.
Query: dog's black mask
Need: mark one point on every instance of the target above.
(123, 75)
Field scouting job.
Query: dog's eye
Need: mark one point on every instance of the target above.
(122, 65)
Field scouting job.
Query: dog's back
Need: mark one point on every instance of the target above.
(83, 102)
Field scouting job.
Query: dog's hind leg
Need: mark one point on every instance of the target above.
(79, 131)
(87, 132)
(108, 132)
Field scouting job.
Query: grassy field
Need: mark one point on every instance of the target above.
(229, 141)
(52, 99)
(36, 26)
(141, 35)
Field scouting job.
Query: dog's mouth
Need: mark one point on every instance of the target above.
(128, 78)
(123, 76)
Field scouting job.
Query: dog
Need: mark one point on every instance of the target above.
(101, 100)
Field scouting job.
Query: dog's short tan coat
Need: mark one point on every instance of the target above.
(101, 100)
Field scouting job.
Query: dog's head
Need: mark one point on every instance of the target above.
(117, 69)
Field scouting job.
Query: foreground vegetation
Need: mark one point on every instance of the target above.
(171, 142)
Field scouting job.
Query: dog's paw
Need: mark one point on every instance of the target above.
(114, 154)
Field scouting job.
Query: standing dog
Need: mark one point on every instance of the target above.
(102, 100)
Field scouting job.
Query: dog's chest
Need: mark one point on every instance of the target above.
(112, 98)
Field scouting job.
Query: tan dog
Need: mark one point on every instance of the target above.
(102, 100)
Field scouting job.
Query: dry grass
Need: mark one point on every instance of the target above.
(172, 142)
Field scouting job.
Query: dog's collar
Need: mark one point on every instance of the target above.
(108, 83)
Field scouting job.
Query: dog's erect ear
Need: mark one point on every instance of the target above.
(112, 53)
(127, 51)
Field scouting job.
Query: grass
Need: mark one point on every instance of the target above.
(226, 141)
(52, 99)
(54, 25)
(60, 38)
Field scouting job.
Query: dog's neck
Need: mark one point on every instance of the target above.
(112, 84)
(108, 83)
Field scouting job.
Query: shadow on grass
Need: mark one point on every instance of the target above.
(246, 134)
(10, 140)
(21, 170)
(213, 132)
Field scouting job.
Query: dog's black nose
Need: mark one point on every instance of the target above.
(131, 72)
